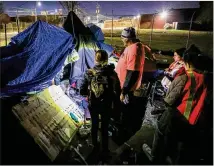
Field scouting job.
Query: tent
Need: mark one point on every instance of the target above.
(96, 31)
(86, 46)
(33, 58)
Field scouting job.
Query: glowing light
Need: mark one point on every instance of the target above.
(138, 16)
(39, 3)
(164, 14)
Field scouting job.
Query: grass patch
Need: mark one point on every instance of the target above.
(170, 40)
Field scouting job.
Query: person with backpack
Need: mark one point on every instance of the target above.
(130, 69)
(101, 85)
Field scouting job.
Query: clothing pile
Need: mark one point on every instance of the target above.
(155, 105)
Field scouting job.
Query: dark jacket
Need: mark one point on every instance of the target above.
(114, 84)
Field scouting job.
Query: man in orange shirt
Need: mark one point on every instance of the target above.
(130, 70)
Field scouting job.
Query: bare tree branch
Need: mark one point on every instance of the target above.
(69, 5)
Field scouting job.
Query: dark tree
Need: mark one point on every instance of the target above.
(205, 15)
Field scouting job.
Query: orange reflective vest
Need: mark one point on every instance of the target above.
(195, 92)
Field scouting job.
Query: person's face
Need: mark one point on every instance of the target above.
(176, 57)
(125, 41)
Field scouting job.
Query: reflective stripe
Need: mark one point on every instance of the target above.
(188, 109)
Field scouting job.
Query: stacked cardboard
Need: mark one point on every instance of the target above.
(51, 118)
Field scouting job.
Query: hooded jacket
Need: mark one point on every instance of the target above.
(114, 84)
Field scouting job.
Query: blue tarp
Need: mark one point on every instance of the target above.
(39, 55)
(96, 31)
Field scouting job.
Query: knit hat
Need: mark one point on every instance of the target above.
(128, 33)
(180, 51)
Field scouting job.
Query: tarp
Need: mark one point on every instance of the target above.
(86, 50)
(33, 58)
(96, 31)
(86, 46)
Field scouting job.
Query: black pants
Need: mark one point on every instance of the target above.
(104, 111)
(171, 126)
(132, 115)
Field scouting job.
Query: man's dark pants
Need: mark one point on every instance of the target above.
(132, 115)
(171, 126)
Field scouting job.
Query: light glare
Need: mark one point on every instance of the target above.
(164, 14)
(39, 3)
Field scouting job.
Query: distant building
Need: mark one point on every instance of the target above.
(118, 23)
(175, 17)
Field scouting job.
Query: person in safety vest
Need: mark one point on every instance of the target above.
(184, 100)
(130, 71)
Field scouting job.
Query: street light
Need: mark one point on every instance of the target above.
(164, 14)
(39, 3)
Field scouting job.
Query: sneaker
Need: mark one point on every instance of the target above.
(147, 150)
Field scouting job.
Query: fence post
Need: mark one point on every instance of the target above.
(112, 29)
(190, 27)
(150, 42)
(17, 21)
(5, 33)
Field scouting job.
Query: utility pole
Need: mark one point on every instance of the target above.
(35, 15)
(112, 28)
(97, 11)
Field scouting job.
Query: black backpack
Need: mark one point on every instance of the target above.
(99, 85)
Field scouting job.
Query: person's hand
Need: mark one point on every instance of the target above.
(122, 97)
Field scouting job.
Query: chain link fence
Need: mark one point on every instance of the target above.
(162, 39)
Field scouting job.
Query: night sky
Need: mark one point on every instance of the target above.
(119, 7)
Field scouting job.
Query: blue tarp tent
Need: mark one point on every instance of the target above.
(86, 46)
(33, 58)
(96, 31)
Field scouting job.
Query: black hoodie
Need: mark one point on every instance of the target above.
(114, 87)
